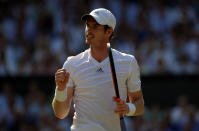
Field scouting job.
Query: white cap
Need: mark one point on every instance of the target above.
(102, 16)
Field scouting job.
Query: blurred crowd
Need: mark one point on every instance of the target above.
(32, 111)
(29, 112)
(37, 36)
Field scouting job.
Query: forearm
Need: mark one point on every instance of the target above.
(139, 104)
(62, 102)
(136, 98)
(61, 109)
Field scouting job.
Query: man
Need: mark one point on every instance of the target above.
(87, 79)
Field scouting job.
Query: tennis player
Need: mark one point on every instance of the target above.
(86, 78)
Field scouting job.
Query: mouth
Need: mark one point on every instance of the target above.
(89, 36)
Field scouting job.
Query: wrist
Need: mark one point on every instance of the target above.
(60, 94)
(132, 109)
(60, 88)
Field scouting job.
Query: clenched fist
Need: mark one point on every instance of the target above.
(61, 78)
(121, 107)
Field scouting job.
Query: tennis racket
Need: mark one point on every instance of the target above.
(114, 78)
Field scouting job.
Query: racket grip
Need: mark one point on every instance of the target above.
(117, 99)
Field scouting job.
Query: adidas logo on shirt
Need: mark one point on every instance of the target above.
(99, 70)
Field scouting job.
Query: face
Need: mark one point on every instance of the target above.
(95, 33)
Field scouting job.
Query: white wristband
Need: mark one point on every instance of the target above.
(132, 109)
(60, 95)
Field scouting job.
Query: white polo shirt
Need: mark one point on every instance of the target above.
(93, 89)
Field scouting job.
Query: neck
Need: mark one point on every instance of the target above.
(99, 53)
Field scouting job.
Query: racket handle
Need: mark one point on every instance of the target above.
(122, 124)
(117, 99)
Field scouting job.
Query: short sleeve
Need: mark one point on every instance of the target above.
(68, 69)
(133, 80)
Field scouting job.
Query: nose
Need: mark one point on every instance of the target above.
(89, 31)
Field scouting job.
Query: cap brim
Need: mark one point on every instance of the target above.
(84, 17)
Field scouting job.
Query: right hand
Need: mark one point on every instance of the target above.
(61, 78)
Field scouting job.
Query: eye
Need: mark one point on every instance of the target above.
(95, 26)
